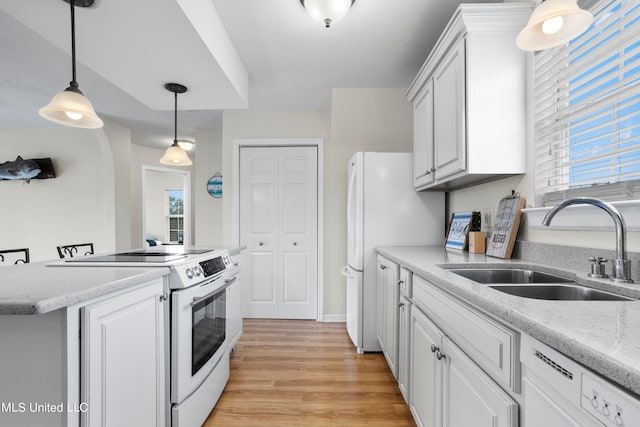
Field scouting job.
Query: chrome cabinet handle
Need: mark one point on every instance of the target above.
(164, 297)
(295, 243)
(434, 348)
(439, 355)
(400, 282)
(261, 244)
(433, 169)
(401, 305)
(383, 267)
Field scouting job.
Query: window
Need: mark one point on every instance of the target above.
(175, 216)
(587, 110)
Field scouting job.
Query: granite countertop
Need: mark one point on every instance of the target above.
(601, 335)
(37, 289)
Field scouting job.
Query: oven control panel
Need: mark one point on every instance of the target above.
(196, 271)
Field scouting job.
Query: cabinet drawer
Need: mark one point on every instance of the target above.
(491, 345)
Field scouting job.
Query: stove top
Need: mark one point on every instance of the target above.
(187, 266)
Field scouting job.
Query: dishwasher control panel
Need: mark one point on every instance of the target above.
(608, 404)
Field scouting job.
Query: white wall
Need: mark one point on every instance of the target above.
(75, 207)
(359, 120)
(207, 210)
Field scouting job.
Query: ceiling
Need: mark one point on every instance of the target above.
(231, 54)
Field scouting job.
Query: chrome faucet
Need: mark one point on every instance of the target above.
(621, 266)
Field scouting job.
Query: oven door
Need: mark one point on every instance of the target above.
(198, 339)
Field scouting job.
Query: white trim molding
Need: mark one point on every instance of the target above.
(586, 217)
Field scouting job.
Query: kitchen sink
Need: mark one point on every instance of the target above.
(508, 276)
(559, 292)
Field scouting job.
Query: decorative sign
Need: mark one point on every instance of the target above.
(506, 227)
(214, 185)
(27, 169)
(458, 230)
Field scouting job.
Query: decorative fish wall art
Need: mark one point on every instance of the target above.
(27, 169)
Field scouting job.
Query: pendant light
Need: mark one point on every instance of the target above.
(175, 155)
(70, 107)
(327, 11)
(552, 23)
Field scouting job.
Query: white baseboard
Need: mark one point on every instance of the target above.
(335, 318)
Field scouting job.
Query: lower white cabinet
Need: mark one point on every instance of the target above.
(447, 388)
(123, 359)
(425, 371)
(404, 324)
(388, 297)
(234, 312)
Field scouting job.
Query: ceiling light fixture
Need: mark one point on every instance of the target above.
(175, 155)
(553, 23)
(70, 107)
(186, 145)
(327, 11)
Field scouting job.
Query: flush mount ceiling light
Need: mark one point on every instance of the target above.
(175, 155)
(327, 11)
(70, 107)
(553, 23)
(186, 145)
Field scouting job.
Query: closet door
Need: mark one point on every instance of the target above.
(279, 226)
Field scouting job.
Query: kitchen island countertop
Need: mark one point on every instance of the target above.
(37, 289)
(601, 335)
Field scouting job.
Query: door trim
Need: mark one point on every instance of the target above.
(283, 142)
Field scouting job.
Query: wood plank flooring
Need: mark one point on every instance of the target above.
(306, 373)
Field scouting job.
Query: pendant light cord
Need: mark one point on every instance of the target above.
(73, 83)
(175, 118)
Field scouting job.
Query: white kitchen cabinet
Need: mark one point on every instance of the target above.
(388, 298)
(404, 329)
(123, 359)
(425, 371)
(447, 388)
(234, 311)
(469, 100)
(404, 325)
(423, 168)
(469, 396)
(449, 114)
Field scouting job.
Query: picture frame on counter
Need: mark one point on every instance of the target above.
(458, 230)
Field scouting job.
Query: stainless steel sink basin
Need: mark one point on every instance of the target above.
(508, 276)
(559, 292)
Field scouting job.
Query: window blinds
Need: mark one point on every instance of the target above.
(587, 109)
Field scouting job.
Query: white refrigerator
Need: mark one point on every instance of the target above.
(383, 209)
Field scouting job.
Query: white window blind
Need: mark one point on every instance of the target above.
(587, 110)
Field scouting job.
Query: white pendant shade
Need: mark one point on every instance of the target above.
(71, 109)
(552, 23)
(327, 11)
(186, 145)
(175, 156)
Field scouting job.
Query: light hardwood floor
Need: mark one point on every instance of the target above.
(306, 373)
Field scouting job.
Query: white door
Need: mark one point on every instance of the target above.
(279, 226)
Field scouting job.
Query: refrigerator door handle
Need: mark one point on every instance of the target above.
(345, 272)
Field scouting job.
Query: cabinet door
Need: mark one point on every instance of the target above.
(391, 301)
(425, 371)
(423, 136)
(381, 312)
(449, 114)
(234, 311)
(469, 396)
(404, 324)
(123, 365)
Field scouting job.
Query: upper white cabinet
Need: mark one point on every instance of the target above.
(469, 100)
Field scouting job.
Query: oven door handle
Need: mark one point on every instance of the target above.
(227, 283)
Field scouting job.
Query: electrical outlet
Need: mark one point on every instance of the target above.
(487, 219)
